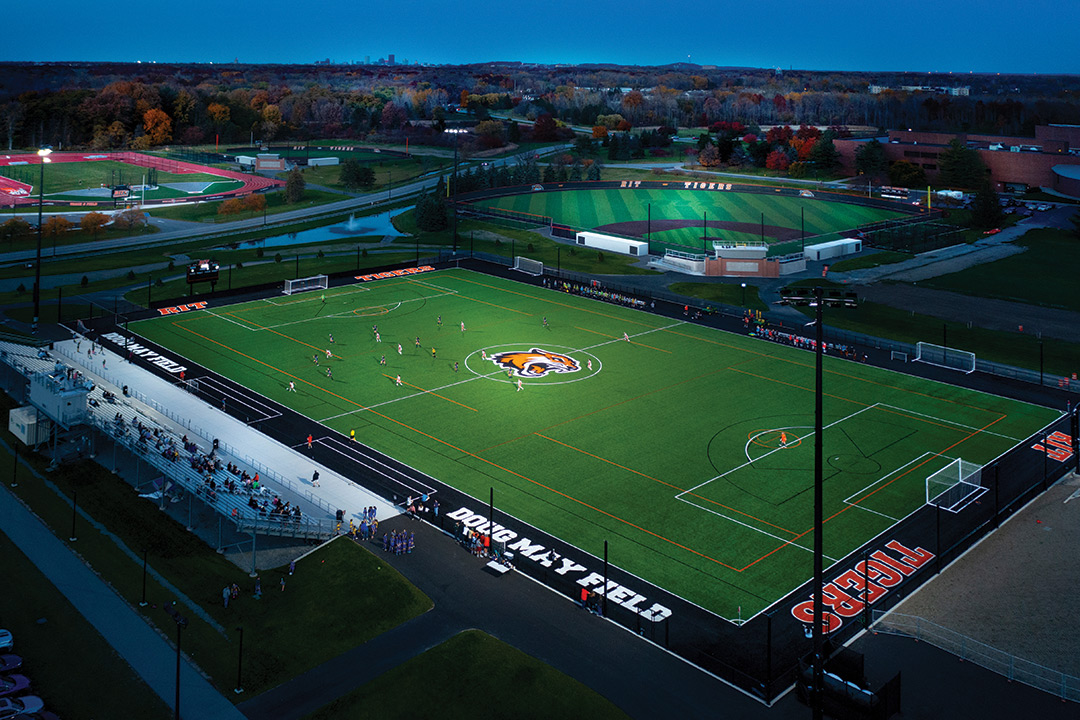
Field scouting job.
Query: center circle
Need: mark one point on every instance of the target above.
(489, 370)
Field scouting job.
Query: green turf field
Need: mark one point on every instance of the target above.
(589, 209)
(688, 449)
(61, 178)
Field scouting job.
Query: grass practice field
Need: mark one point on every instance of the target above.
(64, 180)
(731, 216)
(689, 449)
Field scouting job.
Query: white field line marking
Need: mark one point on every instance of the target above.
(950, 422)
(481, 377)
(351, 314)
(232, 320)
(294, 300)
(247, 401)
(786, 541)
(359, 458)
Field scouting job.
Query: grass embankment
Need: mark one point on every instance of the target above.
(275, 203)
(1021, 350)
(1044, 274)
(341, 580)
(58, 645)
(870, 260)
(507, 242)
(465, 674)
(726, 293)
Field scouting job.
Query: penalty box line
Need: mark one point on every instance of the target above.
(348, 314)
(787, 541)
(944, 421)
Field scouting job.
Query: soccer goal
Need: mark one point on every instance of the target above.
(945, 357)
(319, 282)
(955, 486)
(897, 355)
(527, 266)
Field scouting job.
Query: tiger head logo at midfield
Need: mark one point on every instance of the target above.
(534, 363)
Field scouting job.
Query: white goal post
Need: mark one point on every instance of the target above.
(897, 355)
(945, 357)
(318, 282)
(527, 266)
(955, 486)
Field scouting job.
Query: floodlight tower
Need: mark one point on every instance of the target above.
(457, 133)
(43, 155)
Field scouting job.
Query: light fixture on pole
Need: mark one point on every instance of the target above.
(818, 300)
(456, 132)
(744, 294)
(43, 154)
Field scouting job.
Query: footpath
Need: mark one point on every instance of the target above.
(147, 651)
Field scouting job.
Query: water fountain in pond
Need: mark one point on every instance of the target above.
(352, 226)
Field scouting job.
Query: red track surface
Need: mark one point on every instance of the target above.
(20, 193)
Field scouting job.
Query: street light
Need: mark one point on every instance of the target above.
(744, 294)
(239, 662)
(818, 300)
(181, 623)
(456, 132)
(43, 153)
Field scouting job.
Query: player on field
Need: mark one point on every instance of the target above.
(519, 385)
(399, 348)
(462, 326)
(483, 355)
(783, 439)
(329, 373)
(329, 354)
(590, 364)
(626, 337)
(331, 338)
(397, 381)
(417, 341)
(455, 366)
(432, 353)
(382, 360)
(545, 323)
(438, 321)
(292, 386)
(378, 337)
(315, 359)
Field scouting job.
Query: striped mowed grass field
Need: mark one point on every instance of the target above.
(740, 214)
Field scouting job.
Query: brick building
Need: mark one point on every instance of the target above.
(1049, 160)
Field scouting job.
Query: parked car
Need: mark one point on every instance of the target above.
(13, 707)
(40, 715)
(7, 642)
(13, 684)
(9, 663)
(994, 231)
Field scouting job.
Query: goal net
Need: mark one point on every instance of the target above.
(897, 355)
(945, 357)
(955, 486)
(319, 282)
(527, 266)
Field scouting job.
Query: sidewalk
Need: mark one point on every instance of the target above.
(148, 653)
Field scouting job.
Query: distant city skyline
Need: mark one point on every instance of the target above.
(942, 36)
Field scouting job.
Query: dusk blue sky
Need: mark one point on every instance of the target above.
(922, 35)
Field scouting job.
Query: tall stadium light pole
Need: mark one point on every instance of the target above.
(795, 296)
(744, 294)
(456, 132)
(43, 154)
(819, 660)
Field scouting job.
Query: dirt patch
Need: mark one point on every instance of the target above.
(959, 262)
(1017, 589)
(639, 228)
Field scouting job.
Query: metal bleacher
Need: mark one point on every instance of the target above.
(147, 433)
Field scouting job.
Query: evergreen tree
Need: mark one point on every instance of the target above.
(575, 171)
(613, 147)
(294, 186)
(366, 177)
(513, 134)
(986, 209)
(351, 172)
(870, 159)
(594, 173)
(961, 166)
(824, 154)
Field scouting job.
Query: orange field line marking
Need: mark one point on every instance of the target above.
(848, 506)
(799, 387)
(665, 483)
(473, 455)
(431, 392)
